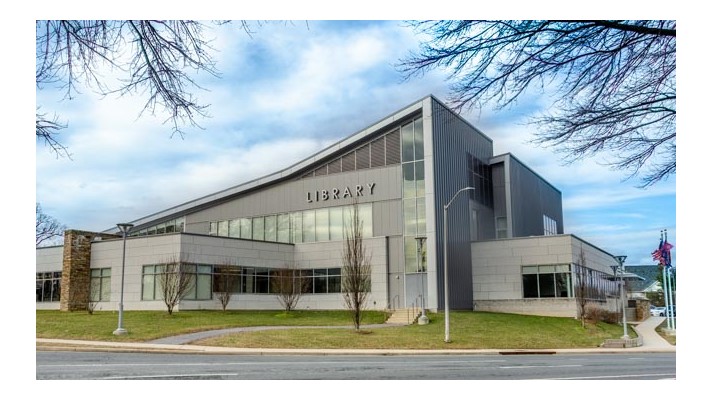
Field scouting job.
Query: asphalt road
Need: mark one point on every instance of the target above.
(63, 365)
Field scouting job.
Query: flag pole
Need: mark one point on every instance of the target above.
(668, 266)
(665, 286)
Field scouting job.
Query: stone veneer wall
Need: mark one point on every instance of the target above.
(76, 260)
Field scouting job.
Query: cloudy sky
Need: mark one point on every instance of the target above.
(285, 92)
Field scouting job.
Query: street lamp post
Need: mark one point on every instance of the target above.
(621, 260)
(446, 293)
(423, 319)
(124, 228)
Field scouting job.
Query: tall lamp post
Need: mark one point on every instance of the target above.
(446, 292)
(621, 260)
(423, 319)
(124, 228)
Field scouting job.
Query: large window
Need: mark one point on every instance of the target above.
(413, 153)
(48, 286)
(545, 281)
(262, 280)
(318, 225)
(199, 275)
(100, 287)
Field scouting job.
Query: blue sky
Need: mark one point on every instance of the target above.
(284, 93)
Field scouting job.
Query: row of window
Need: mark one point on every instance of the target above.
(206, 279)
(203, 281)
(49, 286)
(545, 281)
(174, 225)
(319, 225)
(559, 281)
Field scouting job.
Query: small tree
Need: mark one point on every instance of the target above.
(94, 297)
(356, 269)
(175, 281)
(225, 283)
(289, 285)
(582, 286)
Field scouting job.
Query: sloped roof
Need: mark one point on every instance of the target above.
(648, 272)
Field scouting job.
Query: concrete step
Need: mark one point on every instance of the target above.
(403, 317)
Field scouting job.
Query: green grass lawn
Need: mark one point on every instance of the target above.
(149, 325)
(468, 330)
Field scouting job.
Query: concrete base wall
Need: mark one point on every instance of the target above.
(543, 307)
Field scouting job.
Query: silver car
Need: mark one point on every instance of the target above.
(657, 311)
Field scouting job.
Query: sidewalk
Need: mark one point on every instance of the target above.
(652, 343)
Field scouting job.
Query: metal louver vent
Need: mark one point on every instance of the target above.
(378, 152)
(348, 162)
(393, 151)
(362, 157)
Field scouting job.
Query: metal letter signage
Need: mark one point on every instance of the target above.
(328, 194)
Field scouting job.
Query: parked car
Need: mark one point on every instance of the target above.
(657, 311)
(672, 311)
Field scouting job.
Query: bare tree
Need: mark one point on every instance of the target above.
(226, 282)
(614, 81)
(158, 59)
(46, 227)
(94, 296)
(289, 285)
(356, 269)
(582, 286)
(175, 280)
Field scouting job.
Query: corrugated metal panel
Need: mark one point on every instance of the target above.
(532, 197)
(453, 139)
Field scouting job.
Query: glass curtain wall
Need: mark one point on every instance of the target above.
(413, 192)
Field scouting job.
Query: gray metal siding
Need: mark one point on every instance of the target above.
(291, 196)
(453, 139)
(531, 198)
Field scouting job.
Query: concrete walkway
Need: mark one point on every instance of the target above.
(652, 343)
(651, 339)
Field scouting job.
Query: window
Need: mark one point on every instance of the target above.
(323, 280)
(318, 225)
(336, 223)
(283, 228)
(222, 228)
(150, 283)
(546, 281)
(322, 225)
(48, 286)
(234, 228)
(100, 286)
(174, 225)
(245, 228)
(258, 228)
(271, 228)
(200, 275)
(309, 226)
(296, 231)
(501, 227)
(550, 227)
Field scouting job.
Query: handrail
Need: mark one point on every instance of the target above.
(393, 302)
